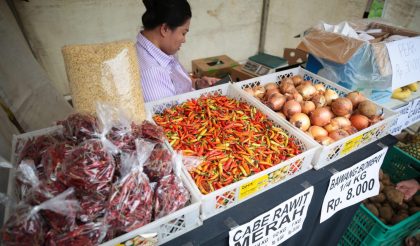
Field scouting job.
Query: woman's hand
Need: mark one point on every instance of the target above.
(205, 82)
(408, 187)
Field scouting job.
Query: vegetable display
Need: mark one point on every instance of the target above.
(234, 139)
(317, 110)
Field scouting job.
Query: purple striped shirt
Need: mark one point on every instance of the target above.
(161, 75)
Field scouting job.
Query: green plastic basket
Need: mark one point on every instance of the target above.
(366, 228)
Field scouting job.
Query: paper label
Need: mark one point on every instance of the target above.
(405, 61)
(414, 115)
(351, 144)
(275, 226)
(253, 187)
(353, 185)
(401, 121)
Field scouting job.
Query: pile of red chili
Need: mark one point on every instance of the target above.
(235, 139)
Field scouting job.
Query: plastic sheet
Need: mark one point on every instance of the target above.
(347, 58)
(107, 73)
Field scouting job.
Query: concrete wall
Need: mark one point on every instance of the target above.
(229, 27)
(405, 13)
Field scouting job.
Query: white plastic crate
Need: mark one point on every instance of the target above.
(167, 227)
(235, 193)
(330, 153)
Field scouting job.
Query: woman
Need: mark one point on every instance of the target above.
(166, 23)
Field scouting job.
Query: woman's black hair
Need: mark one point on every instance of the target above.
(172, 12)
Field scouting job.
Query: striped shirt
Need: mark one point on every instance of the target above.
(161, 75)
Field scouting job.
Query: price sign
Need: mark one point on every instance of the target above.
(401, 121)
(405, 61)
(353, 185)
(275, 226)
(414, 115)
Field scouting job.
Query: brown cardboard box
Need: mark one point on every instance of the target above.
(237, 74)
(340, 49)
(217, 66)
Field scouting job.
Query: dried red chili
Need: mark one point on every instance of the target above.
(53, 158)
(92, 205)
(170, 195)
(130, 203)
(149, 131)
(90, 234)
(122, 138)
(79, 127)
(159, 163)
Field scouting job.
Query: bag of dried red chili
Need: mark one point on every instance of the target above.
(26, 177)
(89, 234)
(27, 224)
(88, 167)
(53, 158)
(149, 131)
(131, 201)
(159, 163)
(93, 205)
(79, 127)
(170, 192)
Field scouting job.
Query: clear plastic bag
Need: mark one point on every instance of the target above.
(150, 131)
(159, 163)
(170, 193)
(106, 72)
(26, 177)
(53, 158)
(131, 199)
(89, 234)
(79, 127)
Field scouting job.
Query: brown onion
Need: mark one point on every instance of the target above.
(259, 91)
(281, 115)
(359, 121)
(276, 101)
(331, 127)
(317, 131)
(350, 129)
(307, 91)
(321, 116)
(367, 108)
(341, 106)
(249, 91)
(307, 107)
(375, 119)
(297, 97)
(307, 82)
(270, 92)
(338, 134)
(356, 98)
(330, 95)
(291, 107)
(319, 100)
(287, 87)
(270, 86)
(301, 121)
(341, 121)
(324, 140)
(320, 88)
(297, 80)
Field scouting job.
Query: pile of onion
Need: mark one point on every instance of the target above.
(318, 111)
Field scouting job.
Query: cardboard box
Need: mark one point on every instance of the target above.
(217, 66)
(238, 74)
(353, 63)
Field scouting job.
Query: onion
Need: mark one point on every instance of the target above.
(270, 86)
(259, 91)
(338, 134)
(367, 108)
(341, 122)
(281, 115)
(319, 100)
(330, 95)
(375, 119)
(287, 87)
(301, 121)
(320, 88)
(342, 106)
(270, 92)
(317, 131)
(307, 82)
(359, 121)
(291, 107)
(356, 98)
(324, 140)
(276, 101)
(297, 80)
(307, 91)
(307, 107)
(249, 91)
(331, 127)
(350, 129)
(297, 97)
(321, 116)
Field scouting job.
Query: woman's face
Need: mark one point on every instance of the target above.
(175, 38)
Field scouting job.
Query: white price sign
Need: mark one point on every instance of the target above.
(401, 121)
(414, 114)
(275, 226)
(353, 185)
(405, 61)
